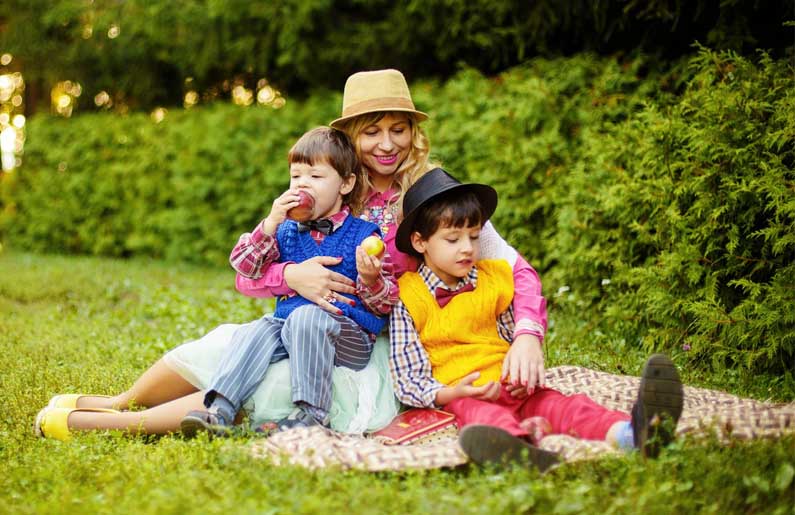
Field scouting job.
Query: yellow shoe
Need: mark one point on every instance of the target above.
(53, 422)
(69, 400)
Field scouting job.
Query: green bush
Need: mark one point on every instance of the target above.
(182, 189)
(656, 203)
(678, 224)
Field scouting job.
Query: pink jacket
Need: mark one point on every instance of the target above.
(530, 307)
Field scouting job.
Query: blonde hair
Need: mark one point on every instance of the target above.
(412, 168)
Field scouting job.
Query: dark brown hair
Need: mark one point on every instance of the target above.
(449, 209)
(333, 147)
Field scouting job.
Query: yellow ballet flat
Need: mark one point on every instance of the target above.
(69, 400)
(53, 422)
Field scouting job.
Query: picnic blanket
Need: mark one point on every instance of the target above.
(705, 412)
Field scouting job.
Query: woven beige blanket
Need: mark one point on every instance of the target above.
(705, 412)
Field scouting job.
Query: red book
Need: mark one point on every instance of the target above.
(415, 424)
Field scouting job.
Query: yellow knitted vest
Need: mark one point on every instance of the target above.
(462, 337)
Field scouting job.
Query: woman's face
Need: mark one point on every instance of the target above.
(385, 144)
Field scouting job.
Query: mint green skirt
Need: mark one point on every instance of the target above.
(362, 400)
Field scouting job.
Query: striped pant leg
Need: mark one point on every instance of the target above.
(317, 341)
(353, 346)
(253, 348)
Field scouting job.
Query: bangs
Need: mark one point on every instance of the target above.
(463, 211)
(325, 145)
(450, 209)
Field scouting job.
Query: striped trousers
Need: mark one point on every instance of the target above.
(314, 340)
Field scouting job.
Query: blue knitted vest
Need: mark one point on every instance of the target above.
(299, 246)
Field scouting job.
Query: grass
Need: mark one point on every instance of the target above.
(73, 324)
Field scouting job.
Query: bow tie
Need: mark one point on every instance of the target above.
(443, 295)
(324, 225)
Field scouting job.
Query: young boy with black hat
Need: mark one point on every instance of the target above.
(450, 346)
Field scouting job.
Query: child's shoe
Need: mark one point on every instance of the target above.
(301, 418)
(202, 420)
(658, 407)
(488, 444)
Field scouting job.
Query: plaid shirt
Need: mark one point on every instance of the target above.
(256, 251)
(412, 375)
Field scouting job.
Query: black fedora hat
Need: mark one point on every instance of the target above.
(429, 186)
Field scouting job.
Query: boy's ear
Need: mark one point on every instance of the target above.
(417, 242)
(347, 184)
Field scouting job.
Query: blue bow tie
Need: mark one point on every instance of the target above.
(324, 225)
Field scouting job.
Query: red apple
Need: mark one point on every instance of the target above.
(305, 208)
(374, 246)
(537, 428)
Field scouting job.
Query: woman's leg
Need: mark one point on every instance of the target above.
(158, 385)
(163, 418)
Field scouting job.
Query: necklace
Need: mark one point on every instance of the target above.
(381, 212)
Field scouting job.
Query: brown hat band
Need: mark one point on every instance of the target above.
(378, 104)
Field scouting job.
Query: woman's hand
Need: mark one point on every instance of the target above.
(278, 214)
(524, 362)
(316, 283)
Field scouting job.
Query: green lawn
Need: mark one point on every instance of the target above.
(72, 324)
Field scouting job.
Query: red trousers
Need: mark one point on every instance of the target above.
(575, 415)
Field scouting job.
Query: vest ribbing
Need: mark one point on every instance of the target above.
(462, 337)
(298, 246)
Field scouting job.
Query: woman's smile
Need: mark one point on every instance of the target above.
(387, 160)
(385, 144)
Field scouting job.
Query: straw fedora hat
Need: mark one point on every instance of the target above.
(376, 91)
(430, 186)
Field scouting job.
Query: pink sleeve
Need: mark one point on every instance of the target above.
(381, 296)
(270, 284)
(401, 262)
(254, 252)
(530, 307)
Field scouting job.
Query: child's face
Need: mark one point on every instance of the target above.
(450, 252)
(323, 183)
(385, 144)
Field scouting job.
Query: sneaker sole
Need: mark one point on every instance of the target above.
(489, 444)
(661, 394)
(190, 426)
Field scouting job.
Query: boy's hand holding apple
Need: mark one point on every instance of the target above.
(305, 208)
(293, 203)
(368, 259)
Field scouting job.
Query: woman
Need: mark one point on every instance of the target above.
(379, 116)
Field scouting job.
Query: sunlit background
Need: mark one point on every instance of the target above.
(65, 94)
(12, 117)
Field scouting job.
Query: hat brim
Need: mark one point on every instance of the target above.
(421, 117)
(485, 194)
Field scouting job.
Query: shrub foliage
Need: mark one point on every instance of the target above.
(658, 205)
(147, 53)
(688, 210)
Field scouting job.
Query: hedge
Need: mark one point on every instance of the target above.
(679, 223)
(657, 204)
(148, 53)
